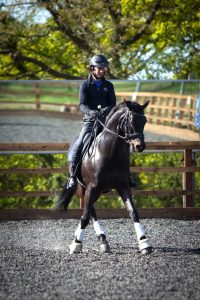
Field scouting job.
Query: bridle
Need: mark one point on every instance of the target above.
(126, 121)
(129, 132)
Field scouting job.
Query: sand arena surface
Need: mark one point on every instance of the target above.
(43, 129)
(35, 262)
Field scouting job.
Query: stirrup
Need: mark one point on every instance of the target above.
(72, 182)
(132, 183)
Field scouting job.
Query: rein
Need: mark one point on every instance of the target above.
(118, 135)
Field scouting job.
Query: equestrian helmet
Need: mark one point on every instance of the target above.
(99, 61)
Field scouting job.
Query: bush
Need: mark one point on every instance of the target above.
(54, 182)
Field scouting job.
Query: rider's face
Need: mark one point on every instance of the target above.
(99, 72)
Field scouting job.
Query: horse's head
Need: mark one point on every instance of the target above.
(132, 124)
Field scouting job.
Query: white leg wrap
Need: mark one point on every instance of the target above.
(144, 244)
(75, 247)
(79, 233)
(98, 228)
(139, 228)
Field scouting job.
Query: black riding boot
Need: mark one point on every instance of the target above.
(72, 181)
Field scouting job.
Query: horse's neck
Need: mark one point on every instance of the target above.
(109, 141)
(112, 123)
(110, 135)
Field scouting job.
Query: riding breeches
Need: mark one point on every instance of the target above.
(74, 154)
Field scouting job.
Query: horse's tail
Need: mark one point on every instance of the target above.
(65, 197)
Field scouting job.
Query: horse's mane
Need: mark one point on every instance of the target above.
(114, 110)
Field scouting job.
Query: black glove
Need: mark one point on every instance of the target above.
(103, 113)
(92, 113)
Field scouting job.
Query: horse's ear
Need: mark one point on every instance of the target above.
(145, 104)
(128, 104)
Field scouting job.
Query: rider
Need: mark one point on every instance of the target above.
(96, 92)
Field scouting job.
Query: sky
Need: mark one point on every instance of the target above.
(22, 10)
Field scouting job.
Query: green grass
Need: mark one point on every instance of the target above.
(69, 92)
(67, 99)
(128, 86)
(159, 87)
(170, 87)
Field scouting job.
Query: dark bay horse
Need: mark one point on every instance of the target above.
(105, 167)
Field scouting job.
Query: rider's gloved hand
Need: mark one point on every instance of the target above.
(93, 113)
(104, 112)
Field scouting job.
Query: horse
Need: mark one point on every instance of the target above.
(105, 166)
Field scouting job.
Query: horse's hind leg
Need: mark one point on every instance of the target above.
(91, 195)
(76, 245)
(145, 245)
(104, 245)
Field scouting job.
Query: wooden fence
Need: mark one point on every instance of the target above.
(188, 169)
(165, 109)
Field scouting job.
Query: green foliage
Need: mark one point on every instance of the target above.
(54, 182)
(162, 181)
(142, 38)
(159, 181)
(31, 182)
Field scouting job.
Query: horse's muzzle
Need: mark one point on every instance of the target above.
(137, 145)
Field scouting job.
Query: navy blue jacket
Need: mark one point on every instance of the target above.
(92, 96)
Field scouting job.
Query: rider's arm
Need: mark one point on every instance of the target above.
(84, 108)
(83, 98)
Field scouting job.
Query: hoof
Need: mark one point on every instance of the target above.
(75, 247)
(147, 251)
(104, 247)
(145, 246)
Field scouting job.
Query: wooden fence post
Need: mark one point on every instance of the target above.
(191, 118)
(37, 95)
(81, 202)
(188, 180)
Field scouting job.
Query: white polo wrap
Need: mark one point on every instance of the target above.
(139, 228)
(79, 233)
(98, 228)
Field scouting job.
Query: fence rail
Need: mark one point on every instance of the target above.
(188, 169)
(45, 214)
(165, 109)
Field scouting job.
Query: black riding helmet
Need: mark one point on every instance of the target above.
(99, 61)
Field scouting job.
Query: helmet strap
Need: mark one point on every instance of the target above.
(95, 76)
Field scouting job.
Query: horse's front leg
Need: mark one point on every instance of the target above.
(100, 233)
(145, 245)
(91, 195)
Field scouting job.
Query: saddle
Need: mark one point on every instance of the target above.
(89, 138)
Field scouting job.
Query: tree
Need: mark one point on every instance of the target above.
(140, 37)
